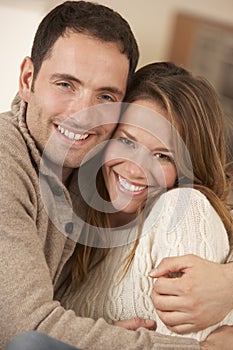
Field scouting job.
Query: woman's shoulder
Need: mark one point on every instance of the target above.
(182, 198)
(189, 193)
(185, 199)
(181, 205)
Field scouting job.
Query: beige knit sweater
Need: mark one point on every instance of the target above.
(34, 255)
(181, 222)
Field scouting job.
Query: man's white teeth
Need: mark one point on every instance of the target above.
(71, 135)
(129, 187)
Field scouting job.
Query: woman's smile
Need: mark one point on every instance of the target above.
(127, 185)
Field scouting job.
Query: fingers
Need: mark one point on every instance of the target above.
(178, 322)
(184, 328)
(172, 286)
(172, 264)
(169, 303)
(135, 323)
(177, 312)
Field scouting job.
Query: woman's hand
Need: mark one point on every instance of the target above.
(201, 297)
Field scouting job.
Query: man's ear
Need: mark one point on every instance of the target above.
(26, 78)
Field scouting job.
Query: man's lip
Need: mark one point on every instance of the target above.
(77, 128)
(72, 135)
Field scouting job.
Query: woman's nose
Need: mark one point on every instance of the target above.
(135, 169)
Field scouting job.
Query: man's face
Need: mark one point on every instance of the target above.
(81, 72)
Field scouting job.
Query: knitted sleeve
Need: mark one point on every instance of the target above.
(184, 222)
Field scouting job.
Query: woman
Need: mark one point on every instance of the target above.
(165, 185)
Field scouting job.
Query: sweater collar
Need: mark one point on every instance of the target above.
(19, 108)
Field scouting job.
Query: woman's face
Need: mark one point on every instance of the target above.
(140, 157)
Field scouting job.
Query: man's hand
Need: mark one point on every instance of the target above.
(222, 339)
(136, 323)
(201, 297)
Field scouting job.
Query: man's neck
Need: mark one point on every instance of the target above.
(63, 173)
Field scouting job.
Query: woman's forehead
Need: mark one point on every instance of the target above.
(146, 116)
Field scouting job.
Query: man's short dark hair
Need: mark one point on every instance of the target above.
(85, 17)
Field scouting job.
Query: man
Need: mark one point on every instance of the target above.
(83, 54)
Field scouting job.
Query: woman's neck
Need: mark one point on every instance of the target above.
(120, 219)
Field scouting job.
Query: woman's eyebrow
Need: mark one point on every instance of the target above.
(130, 136)
(158, 148)
(163, 149)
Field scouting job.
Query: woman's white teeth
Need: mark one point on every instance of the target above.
(71, 135)
(128, 186)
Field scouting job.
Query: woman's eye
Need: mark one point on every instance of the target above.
(163, 156)
(126, 142)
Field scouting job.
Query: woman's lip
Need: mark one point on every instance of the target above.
(133, 191)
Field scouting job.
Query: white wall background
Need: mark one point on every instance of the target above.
(151, 21)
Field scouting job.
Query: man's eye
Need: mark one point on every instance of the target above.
(63, 84)
(126, 142)
(107, 98)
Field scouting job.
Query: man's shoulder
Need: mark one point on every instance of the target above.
(9, 120)
(12, 143)
(8, 124)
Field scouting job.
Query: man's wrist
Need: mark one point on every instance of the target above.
(228, 271)
(204, 345)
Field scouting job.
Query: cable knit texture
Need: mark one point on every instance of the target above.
(181, 222)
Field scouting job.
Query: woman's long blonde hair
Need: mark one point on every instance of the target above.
(193, 108)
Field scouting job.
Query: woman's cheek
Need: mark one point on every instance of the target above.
(166, 177)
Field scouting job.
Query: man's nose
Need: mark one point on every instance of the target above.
(82, 102)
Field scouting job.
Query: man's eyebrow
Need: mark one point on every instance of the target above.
(72, 78)
(65, 76)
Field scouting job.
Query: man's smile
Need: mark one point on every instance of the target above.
(71, 135)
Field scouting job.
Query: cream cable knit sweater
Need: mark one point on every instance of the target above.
(182, 221)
